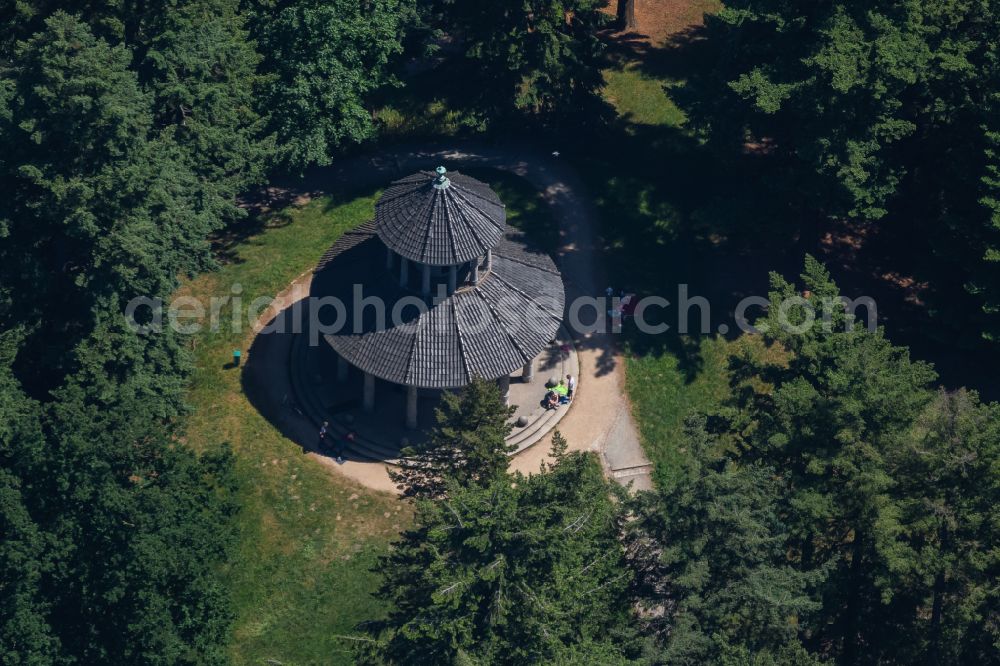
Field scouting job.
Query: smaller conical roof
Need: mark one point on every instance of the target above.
(440, 218)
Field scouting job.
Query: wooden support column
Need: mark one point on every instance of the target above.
(388, 258)
(404, 271)
(452, 279)
(474, 265)
(411, 407)
(528, 372)
(425, 281)
(368, 398)
(342, 369)
(504, 384)
(489, 260)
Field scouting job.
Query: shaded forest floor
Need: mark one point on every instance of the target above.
(726, 227)
(676, 212)
(657, 21)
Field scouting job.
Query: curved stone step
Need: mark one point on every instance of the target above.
(317, 413)
(365, 447)
(542, 420)
(537, 430)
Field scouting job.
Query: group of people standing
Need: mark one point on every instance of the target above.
(625, 305)
(561, 393)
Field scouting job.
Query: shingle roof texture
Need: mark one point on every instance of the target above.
(488, 330)
(440, 226)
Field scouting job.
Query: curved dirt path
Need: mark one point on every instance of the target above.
(600, 418)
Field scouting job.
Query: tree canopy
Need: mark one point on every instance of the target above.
(881, 111)
(509, 570)
(113, 529)
(836, 509)
(321, 59)
(468, 444)
(537, 61)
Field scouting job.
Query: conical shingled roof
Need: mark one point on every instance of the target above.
(441, 219)
(487, 330)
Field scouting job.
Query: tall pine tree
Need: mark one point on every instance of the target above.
(940, 585)
(512, 570)
(870, 497)
(468, 444)
(714, 580)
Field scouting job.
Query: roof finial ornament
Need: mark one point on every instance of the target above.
(441, 182)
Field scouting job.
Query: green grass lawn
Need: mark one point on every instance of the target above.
(308, 536)
(664, 392)
(663, 395)
(640, 98)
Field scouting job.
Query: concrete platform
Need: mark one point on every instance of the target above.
(379, 435)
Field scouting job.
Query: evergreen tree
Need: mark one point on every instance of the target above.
(141, 526)
(877, 110)
(537, 59)
(322, 58)
(97, 213)
(113, 530)
(25, 634)
(942, 570)
(467, 446)
(829, 423)
(105, 207)
(838, 487)
(201, 68)
(714, 578)
(513, 570)
(196, 61)
(985, 282)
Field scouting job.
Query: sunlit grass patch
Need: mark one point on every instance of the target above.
(666, 387)
(309, 538)
(641, 99)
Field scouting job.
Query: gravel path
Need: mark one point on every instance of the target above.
(600, 418)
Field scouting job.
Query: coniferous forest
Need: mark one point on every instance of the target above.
(827, 497)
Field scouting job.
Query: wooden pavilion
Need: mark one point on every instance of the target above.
(437, 290)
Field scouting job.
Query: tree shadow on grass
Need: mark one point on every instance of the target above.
(225, 243)
(680, 224)
(684, 218)
(720, 215)
(274, 206)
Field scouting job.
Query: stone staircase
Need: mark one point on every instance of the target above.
(630, 472)
(540, 423)
(312, 406)
(310, 398)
